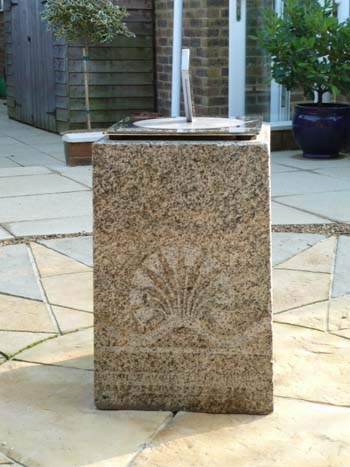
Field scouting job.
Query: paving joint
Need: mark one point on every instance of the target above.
(51, 364)
(30, 346)
(331, 285)
(297, 307)
(36, 238)
(312, 401)
(64, 254)
(149, 441)
(305, 211)
(43, 291)
(333, 229)
(300, 270)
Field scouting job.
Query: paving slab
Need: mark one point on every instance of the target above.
(332, 205)
(80, 174)
(70, 290)
(37, 184)
(339, 314)
(287, 245)
(71, 320)
(4, 235)
(79, 248)
(302, 182)
(50, 206)
(40, 138)
(21, 171)
(65, 225)
(6, 140)
(55, 146)
(295, 159)
(296, 434)
(5, 461)
(34, 158)
(278, 168)
(51, 263)
(19, 150)
(59, 425)
(344, 333)
(336, 172)
(284, 215)
(341, 282)
(19, 314)
(311, 365)
(310, 316)
(7, 163)
(74, 350)
(318, 258)
(12, 342)
(17, 275)
(13, 147)
(293, 289)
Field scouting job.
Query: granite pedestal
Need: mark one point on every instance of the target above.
(183, 275)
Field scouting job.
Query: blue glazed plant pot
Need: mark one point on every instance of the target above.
(321, 131)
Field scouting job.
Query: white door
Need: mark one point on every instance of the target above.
(237, 57)
(343, 9)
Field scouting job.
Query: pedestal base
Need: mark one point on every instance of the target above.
(183, 276)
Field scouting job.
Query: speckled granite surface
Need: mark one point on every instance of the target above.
(183, 276)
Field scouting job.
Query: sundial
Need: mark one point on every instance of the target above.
(189, 126)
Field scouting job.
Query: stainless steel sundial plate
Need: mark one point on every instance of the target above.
(240, 128)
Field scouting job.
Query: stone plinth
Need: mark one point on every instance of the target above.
(183, 276)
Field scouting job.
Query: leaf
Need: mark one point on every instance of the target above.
(308, 47)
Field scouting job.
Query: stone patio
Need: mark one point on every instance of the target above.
(47, 373)
(39, 195)
(48, 418)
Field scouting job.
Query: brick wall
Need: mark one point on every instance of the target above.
(205, 28)
(205, 32)
(2, 45)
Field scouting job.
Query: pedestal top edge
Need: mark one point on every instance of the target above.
(262, 138)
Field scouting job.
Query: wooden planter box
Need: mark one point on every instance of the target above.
(282, 138)
(78, 147)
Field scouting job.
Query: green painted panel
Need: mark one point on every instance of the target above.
(107, 117)
(138, 90)
(62, 115)
(113, 103)
(113, 53)
(110, 66)
(106, 79)
(61, 89)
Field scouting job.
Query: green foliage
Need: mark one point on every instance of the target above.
(309, 48)
(90, 21)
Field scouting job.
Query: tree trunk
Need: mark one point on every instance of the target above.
(319, 97)
(86, 85)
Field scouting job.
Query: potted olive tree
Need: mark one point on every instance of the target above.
(310, 50)
(91, 22)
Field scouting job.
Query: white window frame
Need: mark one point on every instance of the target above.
(237, 57)
(1, 5)
(343, 9)
(280, 97)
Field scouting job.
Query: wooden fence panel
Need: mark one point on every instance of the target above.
(122, 74)
(31, 65)
(45, 75)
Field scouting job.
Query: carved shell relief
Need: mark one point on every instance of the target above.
(180, 286)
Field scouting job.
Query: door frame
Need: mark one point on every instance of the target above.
(237, 57)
